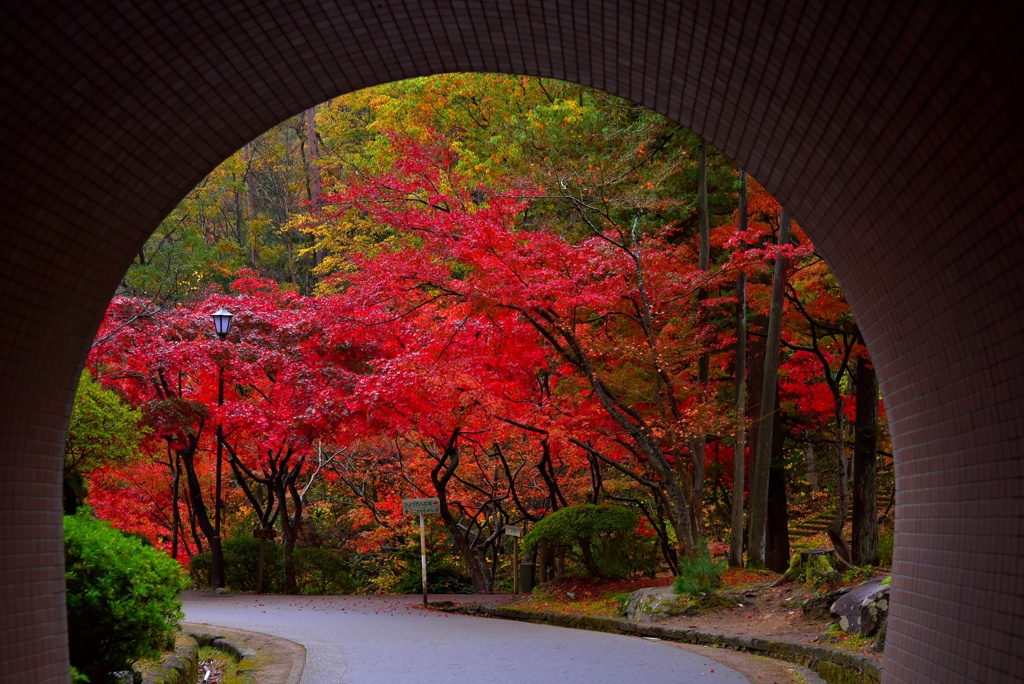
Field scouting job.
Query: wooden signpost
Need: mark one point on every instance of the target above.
(515, 531)
(422, 507)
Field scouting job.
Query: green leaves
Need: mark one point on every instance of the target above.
(103, 429)
(121, 598)
(597, 537)
(700, 575)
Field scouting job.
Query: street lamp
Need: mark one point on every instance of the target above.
(222, 325)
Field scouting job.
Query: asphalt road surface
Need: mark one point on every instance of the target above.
(388, 640)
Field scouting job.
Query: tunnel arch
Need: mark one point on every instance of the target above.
(892, 133)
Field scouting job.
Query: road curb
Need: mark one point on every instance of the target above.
(265, 659)
(835, 666)
(179, 667)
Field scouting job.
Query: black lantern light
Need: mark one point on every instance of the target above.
(222, 322)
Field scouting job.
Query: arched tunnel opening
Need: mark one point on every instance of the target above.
(890, 131)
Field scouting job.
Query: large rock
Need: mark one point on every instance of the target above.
(653, 604)
(819, 607)
(863, 608)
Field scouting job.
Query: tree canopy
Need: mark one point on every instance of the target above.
(492, 290)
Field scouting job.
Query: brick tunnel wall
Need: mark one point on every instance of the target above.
(892, 133)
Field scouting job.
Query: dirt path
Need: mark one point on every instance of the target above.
(770, 613)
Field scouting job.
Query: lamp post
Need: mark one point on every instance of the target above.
(222, 324)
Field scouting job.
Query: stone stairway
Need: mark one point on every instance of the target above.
(801, 530)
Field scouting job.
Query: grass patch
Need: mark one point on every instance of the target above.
(856, 643)
(574, 596)
(231, 671)
(740, 578)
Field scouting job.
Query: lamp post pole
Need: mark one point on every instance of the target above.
(222, 324)
(217, 568)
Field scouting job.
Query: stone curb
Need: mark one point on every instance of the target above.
(181, 667)
(262, 658)
(832, 664)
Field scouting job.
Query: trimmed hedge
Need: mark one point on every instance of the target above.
(318, 570)
(122, 598)
(600, 539)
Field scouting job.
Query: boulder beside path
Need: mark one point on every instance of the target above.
(652, 604)
(863, 608)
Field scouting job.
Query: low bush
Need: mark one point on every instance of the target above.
(886, 540)
(241, 563)
(322, 571)
(317, 570)
(602, 541)
(122, 598)
(443, 577)
(700, 575)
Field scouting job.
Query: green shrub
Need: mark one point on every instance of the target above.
(322, 571)
(318, 570)
(241, 565)
(443, 577)
(700, 575)
(600, 540)
(199, 569)
(122, 598)
(377, 572)
(886, 540)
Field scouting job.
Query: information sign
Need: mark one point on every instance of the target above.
(513, 530)
(421, 506)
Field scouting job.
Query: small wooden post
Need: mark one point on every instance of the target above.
(514, 531)
(422, 507)
(515, 565)
(423, 557)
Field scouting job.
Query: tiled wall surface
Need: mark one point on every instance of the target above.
(892, 131)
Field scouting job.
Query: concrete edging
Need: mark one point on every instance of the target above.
(832, 664)
(261, 657)
(180, 667)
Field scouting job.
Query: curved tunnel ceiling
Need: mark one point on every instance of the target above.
(892, 133)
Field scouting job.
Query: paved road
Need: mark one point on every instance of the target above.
(371, 639)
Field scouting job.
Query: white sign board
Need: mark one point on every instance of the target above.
(513, 530)
(421, 506)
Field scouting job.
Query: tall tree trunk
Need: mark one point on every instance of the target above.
(835, 529)
(261, 566)
(755, 381)
(183, 538)
(547, 472)
(486, 572)
(777, 537)
(440, 475)
(288, 547)
(313, 164)
(865, 467)
(740, 443)
(251, 202)
(290, 525)
(811, 462)
(477, 571)
(196, 539)
(703, 362)
(762, 463)
(195, 494)
(175, 513)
